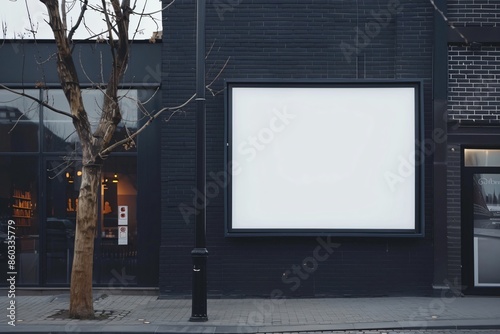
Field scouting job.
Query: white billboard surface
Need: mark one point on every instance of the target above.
(323, 158)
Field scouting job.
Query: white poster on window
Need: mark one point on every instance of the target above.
(122, 235)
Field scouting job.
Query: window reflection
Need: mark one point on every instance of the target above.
(481, 158)
(19, 118)
(19, 202)
(118, 242)
(116, 237)
(63, 184)
(60, 134)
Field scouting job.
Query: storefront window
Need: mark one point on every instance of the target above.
(482, 158)
(45, 232)
(118, 228)
(19, 119)
(115, 251)
(19, 203)
(486, 229)
(60, 134)
(63, 183)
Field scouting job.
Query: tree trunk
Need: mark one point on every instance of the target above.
(81, 302)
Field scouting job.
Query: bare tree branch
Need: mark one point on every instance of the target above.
(110, 29)
(216, 77)
(64, 15)
(32, 25)
(67, 72)
(109, 24)
(43, 103)
(155, 12)
(104, 153)
(94, 84)
(79, 21)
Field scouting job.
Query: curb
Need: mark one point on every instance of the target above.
(232, 329)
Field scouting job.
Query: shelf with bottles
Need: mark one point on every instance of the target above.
(72, 204)
(21, 194)
(22, 207)
(22, 222)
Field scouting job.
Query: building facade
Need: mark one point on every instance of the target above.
(41, 168)
(335, 41)
(472, 146)
(262, 41)
(309, 46)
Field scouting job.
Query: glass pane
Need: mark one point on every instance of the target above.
(118, 260)
(19, 203)
(60, 134)
(19, 118)
(63, 185)
(486, 229)
(482, 158)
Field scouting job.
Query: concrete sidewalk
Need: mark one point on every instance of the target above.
(148, 314)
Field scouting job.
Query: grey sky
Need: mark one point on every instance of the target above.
(15, 19)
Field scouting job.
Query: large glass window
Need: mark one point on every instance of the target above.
(116, 238)
(19, 118)
(486, 188)
(19, 203)
(62, 187)
(118, 228)
(47, 156)
(60, 134)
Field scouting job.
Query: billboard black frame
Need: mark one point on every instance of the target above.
(419, 226)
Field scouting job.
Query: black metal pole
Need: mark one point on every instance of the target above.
(200, 253)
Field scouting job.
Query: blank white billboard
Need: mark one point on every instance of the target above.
(323, 158)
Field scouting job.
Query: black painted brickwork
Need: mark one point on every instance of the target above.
(473, 85)
(474, 13)
(454, 213)
(285, 40)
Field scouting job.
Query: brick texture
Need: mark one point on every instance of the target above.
(454, 214)
(474, 88)
(479, 13)
(262, 39)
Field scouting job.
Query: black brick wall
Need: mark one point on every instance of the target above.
(483, 13)
(285, 39)
(454, 214)
(473, 84)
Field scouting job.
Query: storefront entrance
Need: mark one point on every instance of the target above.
(481, 221)
(115, 245)
(40, 175)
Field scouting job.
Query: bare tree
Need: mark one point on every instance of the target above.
(95, 144)
(95, 141)
(92, 143)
